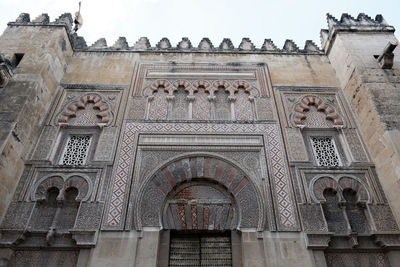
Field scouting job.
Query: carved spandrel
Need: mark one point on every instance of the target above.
(264, 108)
(295, 142)
(106, 143)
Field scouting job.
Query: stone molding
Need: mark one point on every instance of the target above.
(286, 212)
(151, 195)
(298, 114)
(338, 184)
(103, 109)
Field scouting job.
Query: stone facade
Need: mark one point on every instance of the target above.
(141, 156)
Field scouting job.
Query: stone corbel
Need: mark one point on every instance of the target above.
(387, 240)
(318, 240)
(85, 237)
(353, 240)
(6, 71)
(11, 237)
(386, 58)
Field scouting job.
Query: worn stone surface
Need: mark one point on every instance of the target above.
(113, 148)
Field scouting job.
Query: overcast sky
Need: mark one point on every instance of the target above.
(257, 19)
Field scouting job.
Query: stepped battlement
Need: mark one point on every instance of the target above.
(363, 23)
(164, 45)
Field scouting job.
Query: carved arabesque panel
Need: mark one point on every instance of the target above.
(158, 105)
(222, 105)
(201, 106)
(180, 104)
(243, 106)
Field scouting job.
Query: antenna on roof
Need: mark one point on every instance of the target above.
(78, 21)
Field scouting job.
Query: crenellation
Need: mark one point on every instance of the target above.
(269, 45)
(121, 44)
(42, 19)
(310, 46)
(226, 44)
(65, 19)
(290, 46)
(185, 44)
(23, 18)
(205, 44)
(78, 42)
(142, 44)
(246, 45)
(163, 44)
(99, 44)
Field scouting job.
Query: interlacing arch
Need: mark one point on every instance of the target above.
(338, 184)
(300, 109)
(62, 183)
(102, 107)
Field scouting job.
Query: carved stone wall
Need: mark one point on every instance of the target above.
(368, 259)
(278, 174)
(38, 258)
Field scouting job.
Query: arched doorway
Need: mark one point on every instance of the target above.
(199, 202)
(214, 176)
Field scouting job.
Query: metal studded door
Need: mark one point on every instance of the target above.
(204, 250)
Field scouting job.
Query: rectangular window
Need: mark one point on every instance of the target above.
(200, 250)
(325, 151)
(76, 150)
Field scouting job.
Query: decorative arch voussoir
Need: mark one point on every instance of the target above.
(160, 83)
(71, 109)
(201, 83)
(221, 83)
(186, 84)
(196, 168)
(62, 182)
(42, 188)
(353, 184)
(320, 185)
(299, 112)
(80, 184)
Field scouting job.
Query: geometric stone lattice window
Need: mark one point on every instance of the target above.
(76, 150)
(325, 151)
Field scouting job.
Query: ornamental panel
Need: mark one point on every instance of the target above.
(116, 206)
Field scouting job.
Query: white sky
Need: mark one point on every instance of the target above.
(216, 19)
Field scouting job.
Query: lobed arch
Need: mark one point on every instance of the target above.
(246, 86)
(201, 83)
(340, 183)
(186, 84)
(225, 84)
(160, 83)
(299, 112)
(207, 169)
(103, 109)
(62, 182)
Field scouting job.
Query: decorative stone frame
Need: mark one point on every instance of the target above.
(62, 181)
(298, 114)
(63, 139)
(339, 183)
(71, 108)
(170, 86)
(119, 213)
(331, 133)
(152, 194)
